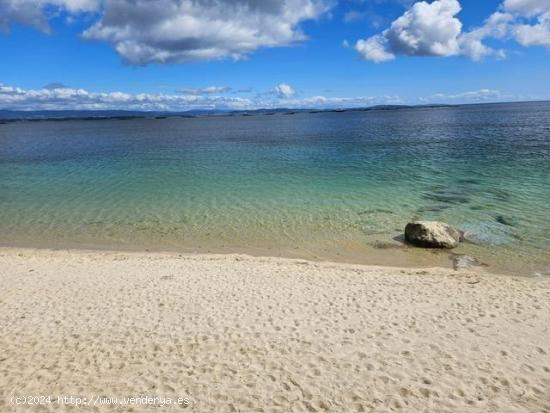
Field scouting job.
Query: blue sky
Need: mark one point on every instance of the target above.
(183, 54)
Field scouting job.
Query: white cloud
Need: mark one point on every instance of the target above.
(482, 95)
(75, 5)
(323, 102)
(61, 97)
(526, 21)
(142, 31)
(527, 8)
(434, 29)
(479, 96)
(69, 98)
(145, 31)
(284, 91)
(33, 12)
(535, 34)
(496, 26)
(426, 29)
(374, 48)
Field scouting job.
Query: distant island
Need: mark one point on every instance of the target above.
(7, 115)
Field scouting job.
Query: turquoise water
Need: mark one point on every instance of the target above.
(309, 184)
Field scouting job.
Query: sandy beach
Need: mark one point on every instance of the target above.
(236, 333)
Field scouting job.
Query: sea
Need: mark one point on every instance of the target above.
(328, 186)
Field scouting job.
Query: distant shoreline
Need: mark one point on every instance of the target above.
(9, 116)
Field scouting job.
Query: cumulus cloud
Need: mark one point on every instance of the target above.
(33, 12)
(426, 29)
(481, 95)
(434, 29)
(374, 48)
(284, 91)
(528, 8)
(70, 98)
(161, 31)
(65, 98)
(472, 43)
(537, 33)
(142, 31)
(525, 21)
(323, 102)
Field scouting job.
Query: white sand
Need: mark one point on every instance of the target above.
(235, 333)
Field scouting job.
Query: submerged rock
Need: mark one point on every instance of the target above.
(504, 220)
(467, 236)
(447, 197)
(375, 211)
(449, 194)
(382, 245)
(499, 194)
(432, 234)
(469, 181)
(487, 232)
(462, 262)
(434, 208)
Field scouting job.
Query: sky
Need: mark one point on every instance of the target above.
(248, 54)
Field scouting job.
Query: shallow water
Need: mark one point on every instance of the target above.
(323, 185)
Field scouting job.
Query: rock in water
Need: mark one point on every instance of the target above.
(432, 234)
(463, 262)
(504, 220)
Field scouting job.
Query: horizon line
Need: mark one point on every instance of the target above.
(207, 112)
